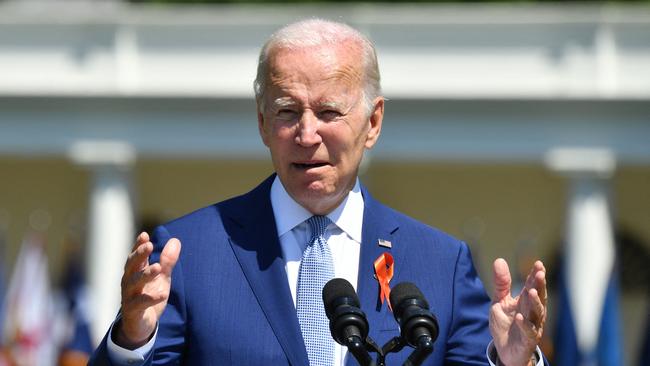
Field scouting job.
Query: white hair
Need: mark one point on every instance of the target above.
(315, 32)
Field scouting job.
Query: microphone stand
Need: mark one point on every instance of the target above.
(421, 352)
(360, 351)
(396, 344)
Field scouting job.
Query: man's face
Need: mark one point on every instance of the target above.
(315, 122)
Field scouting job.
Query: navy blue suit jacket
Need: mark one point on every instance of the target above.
(230, 302)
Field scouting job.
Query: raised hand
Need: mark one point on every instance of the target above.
(517, 324)
(145, 290)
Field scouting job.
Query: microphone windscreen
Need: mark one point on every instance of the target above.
(406, 291)
(336, 289)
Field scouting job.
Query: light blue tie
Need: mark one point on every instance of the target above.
(316, 268)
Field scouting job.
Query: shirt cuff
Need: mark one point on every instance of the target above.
(491, 354)
(120, 356)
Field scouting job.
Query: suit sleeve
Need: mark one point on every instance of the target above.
(469, 333)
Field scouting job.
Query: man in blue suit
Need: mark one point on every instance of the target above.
(235, 293)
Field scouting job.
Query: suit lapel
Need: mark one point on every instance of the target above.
(378, 223)
(254, 239)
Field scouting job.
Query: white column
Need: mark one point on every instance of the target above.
(606, 60)
(111, 229)
(589, 250)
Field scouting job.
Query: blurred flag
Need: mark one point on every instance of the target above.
(608, 347)
(2, 283)
(588, 331)
(644, 356)
(77, 344)
(4, 361)
(28, 313)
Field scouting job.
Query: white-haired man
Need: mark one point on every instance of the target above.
(245, 288)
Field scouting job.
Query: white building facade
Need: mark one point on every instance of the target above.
(103, 85)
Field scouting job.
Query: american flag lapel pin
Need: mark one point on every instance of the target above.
(385, 243)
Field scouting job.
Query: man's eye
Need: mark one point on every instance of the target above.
(329, 114)
(286, 113)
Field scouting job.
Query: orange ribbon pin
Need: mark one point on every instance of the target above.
(384, 272)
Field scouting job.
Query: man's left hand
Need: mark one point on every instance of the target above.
(517, 323)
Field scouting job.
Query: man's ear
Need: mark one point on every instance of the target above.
(260, 126)
(375, 120)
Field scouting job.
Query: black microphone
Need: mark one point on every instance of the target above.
(348, 324)
(418, 327)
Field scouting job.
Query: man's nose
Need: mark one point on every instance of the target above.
(308, 130)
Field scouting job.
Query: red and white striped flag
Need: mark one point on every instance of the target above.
(29, 308)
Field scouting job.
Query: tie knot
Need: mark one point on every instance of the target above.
(318, 225)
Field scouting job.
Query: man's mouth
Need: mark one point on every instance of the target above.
(309, 165)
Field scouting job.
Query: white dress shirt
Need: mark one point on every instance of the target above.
(343, 237)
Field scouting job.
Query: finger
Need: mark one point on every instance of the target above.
(530, 278)
(140, 239)
(537, 313)
(540, 282)
(135, 283)
(502, 280)
(169, 256)
(540, 266)
(138, 259)
(537, 267)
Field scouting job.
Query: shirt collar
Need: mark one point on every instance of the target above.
(348, 216)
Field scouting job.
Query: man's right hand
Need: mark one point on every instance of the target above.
(145, 290)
